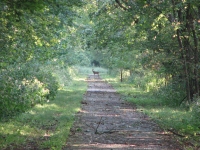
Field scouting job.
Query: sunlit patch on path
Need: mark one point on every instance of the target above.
(107, 122)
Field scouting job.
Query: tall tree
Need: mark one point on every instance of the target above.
(166, 32)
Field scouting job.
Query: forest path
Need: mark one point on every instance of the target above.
(107, 122)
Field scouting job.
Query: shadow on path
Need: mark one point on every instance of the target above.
(107, 122)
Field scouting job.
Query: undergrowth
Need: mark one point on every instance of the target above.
(47, 125)
(173, 118)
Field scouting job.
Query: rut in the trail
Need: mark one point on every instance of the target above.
(107, 122)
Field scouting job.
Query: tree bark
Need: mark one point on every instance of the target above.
(121, 75)
(184, 66)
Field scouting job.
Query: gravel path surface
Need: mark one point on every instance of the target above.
(107, 122)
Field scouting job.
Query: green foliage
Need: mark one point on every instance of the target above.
(44, 126)
(24, 86)
(49, 81)
(172, 94)
(164, 43)
(32, 32)
(169, 116)
(195, 108)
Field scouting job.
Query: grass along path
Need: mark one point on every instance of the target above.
(45, 126)
(108, 122)
(175, 120)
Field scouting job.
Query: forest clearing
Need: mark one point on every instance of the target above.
(131, 65)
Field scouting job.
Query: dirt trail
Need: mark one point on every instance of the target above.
(107, 122)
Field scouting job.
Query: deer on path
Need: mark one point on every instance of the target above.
(95, 72)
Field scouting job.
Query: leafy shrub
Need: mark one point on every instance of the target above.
(171, 94)
(49, 82)
(195, 106)
(145, 80)
(23, 86)
(62, 74)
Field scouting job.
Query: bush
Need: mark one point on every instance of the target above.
(145, 80)
(195, 106)
(49, 82)
(23, 86)
(62, 74)
(172, 94)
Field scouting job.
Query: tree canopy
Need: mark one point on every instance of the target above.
(147, 37)
(163, 35)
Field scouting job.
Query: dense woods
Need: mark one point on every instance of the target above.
(152, 44)
(33, 36)
(159, 36)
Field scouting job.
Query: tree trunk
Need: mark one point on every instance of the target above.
(196, 61)
(187, 81)
(121, 75)
(195, 56)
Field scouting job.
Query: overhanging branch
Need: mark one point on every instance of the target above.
(118, 2)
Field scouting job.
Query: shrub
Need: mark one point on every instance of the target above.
(195, 106)
(171, 94)
(49, 82)
(23, 86)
